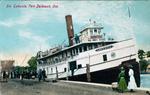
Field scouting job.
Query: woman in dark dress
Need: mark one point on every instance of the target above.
(122, 82)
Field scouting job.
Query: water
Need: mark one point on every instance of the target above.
(145, 80)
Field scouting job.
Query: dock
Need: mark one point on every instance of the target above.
(33, 87)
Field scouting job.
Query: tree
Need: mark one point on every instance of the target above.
(20, 69)
(141, 54)
(148, 53)
(143, 65)
(32, 63)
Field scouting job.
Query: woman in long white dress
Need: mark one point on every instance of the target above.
(132, 84)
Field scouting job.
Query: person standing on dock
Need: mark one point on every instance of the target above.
(43, 74)
(131, 85)
(40, 75)
(122, 82)
(4, 76)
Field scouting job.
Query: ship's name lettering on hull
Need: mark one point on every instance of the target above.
(100, 49)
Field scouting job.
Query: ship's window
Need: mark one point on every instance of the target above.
(99, 31)
(71, 53)
(62, 55)
(95, 46)
(95, 31)
(49, 61)
(66, 53)
(53, 61)
(39, 62)
(79, 66)
(85, 48)
(65, 69)
(105, 57)
(90, 47)
(91, 31)
(86, 32)
(51, 70)
(44, 62)
(80, 49)
(77, 51)
(56, 60)
(59, 59)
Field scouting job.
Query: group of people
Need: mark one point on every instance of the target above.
(122, 85)
(5, 76)
(28, 75)
(41, 74)
(19, 75)
(23, 74)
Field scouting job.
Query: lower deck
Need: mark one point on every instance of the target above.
(108, 76)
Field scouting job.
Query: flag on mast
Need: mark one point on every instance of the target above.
(129, 12)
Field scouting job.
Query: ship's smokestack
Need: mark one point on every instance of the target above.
(70, 30)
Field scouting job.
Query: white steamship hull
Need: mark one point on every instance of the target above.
(105, 63)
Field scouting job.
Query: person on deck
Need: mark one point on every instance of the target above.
(122, 86)
(132, 84)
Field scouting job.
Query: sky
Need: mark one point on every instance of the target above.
(25, 31)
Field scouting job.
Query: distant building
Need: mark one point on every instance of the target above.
(6, 65)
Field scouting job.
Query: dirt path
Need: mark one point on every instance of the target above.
(29, 87)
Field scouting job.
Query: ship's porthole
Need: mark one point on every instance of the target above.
(113, 55)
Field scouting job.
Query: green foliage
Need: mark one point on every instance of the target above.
(141, 54)
(148, 62)
(32, 63)
(20, 69)
(143, 65)
(148, 54)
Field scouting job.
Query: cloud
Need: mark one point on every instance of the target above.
(142, 35)
(7, 23)
(25, 34)
(33, 37)
(35, 41)
(24, 20)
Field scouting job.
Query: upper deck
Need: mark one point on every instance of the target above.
(72, 50)
(89, 37)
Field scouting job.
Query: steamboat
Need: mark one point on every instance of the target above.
(89, 56)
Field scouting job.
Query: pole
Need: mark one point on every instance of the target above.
(88, 72)
(67, 78)
(56, 74)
